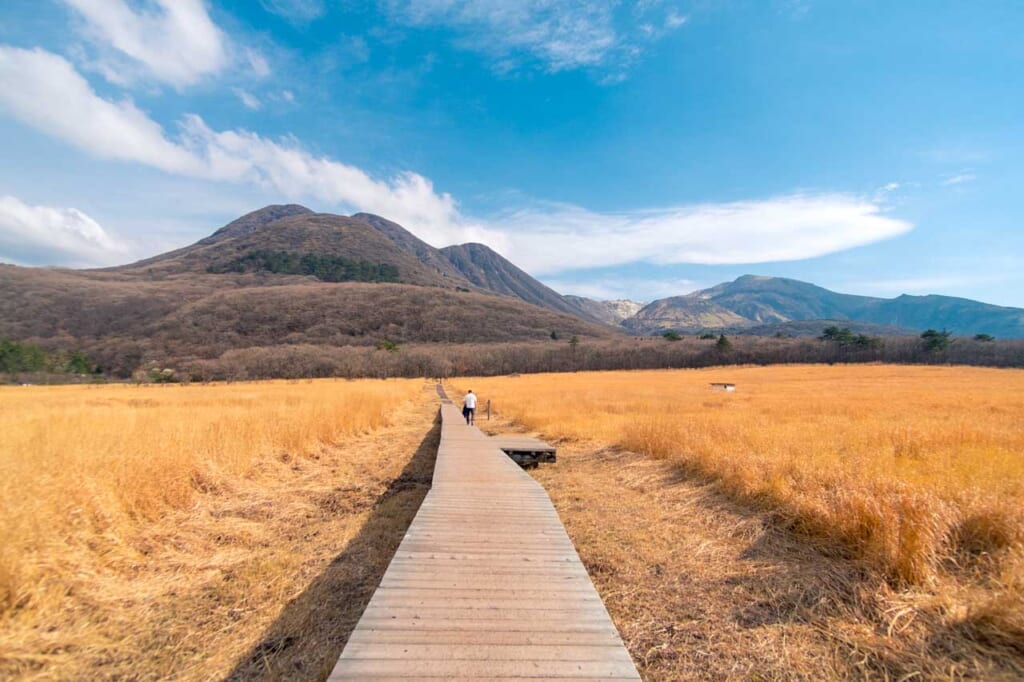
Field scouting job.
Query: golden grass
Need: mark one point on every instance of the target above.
(701, 587)
(113, 499)
(916, 471)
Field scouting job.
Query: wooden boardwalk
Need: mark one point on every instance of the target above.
(486, 583)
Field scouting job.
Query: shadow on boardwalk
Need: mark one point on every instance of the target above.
(307, 638)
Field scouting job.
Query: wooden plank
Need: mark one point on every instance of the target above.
(495, 652)
(483, 637)
(479, 624)
(452, 668)
(486, 584)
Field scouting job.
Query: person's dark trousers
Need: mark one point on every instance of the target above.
(470, 415)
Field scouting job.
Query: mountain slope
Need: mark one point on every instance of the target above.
(236, 228)
(489, 270)
(777, 299)
(412, 245)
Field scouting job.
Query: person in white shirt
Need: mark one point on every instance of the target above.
(469, 407)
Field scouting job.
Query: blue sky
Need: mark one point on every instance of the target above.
(640, 148)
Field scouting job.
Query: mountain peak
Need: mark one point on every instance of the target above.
(488, 269)
(253, 221)
(370, 217)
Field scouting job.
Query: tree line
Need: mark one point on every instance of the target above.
(18, 357)
(390, 358)
(444, 360)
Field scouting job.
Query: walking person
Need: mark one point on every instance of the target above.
(469, 407)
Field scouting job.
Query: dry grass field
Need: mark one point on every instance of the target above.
(912, 476)
(183, 532)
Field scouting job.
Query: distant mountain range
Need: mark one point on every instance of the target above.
(284, 275)
(765, 303)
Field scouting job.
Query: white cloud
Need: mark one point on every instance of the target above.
(556, 238)
(41, 235)
(174, 40)
(44, 91)
(288, 95)
(959, 179)
(249, 100)
(559, 35)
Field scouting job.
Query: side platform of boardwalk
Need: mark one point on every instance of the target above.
(486, 583)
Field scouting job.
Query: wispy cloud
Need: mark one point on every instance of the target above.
(174, 41)
(556, 238)
(257, 63)
(44, 91)
(959, 179)
(249, 100)
(296, 11)
(559, 36)
(43, 235)
(674, 19)
(883, 193)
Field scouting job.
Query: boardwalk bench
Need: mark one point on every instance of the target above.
(485, 584)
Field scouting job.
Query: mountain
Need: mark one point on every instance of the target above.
(489, 270)
(760, 302)
(276, 239)
(278, 277)
(609, 312)
(776, 299)
(257, 242)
